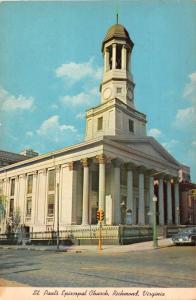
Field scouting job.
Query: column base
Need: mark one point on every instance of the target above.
(85, 224)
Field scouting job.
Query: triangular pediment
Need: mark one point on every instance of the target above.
(150, 147)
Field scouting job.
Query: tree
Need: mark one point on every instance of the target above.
(13, 222)
(3, 202)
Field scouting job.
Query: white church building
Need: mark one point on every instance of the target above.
(115, 168)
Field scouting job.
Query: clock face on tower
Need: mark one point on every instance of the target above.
(107, 93)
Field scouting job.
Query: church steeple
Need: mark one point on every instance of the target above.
(117, 80)
(116, 117)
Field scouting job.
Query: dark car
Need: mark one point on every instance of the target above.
(185, 236)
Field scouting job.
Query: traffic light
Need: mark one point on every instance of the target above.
(101, 215)
(98, 215)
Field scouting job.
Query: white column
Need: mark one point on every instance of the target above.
(151, 194)
(177, 207)
(124, 57)
(101, 160)
(7, 192)
(161, 203)
(57, 196)
(79, 196)
(141, 219)
(23, 216)
(42, 198)
(114, 56)
(130, 192)
(85, 220)
(73, 171)
(34, 198)
(169, 203)
(106, 60)
(16, 197)
(116, 194)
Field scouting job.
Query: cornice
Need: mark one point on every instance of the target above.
(116, 103)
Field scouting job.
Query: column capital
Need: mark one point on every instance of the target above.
(117, 162)
(151, 172)
(141, 169)
(160, 176)
(85, 162)
(101, 158)
(58, 167)
(43, 171)
(130, 166)
(23, 175)
(168, 178)
(176, 179)
(35, 173)
(72, 165)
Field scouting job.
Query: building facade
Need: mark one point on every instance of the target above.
(117, 168)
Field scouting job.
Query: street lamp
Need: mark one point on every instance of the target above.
(155, 240)
(123, 211)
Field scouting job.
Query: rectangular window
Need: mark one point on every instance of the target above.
(29, 206)
(11, 212)
(131, 126)
(29, 184)
(51, 205)
(119, 90)
(12, 191)
(100, 123)
(51, 180)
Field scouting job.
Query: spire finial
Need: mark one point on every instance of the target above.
(117, 18)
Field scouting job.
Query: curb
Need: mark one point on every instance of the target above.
(84, 250)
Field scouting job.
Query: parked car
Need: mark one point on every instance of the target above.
(185, 236)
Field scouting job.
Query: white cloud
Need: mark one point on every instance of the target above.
(9, 102)
(54, 106)
(170, 145)
(29, 134)
(186, 117)
(81, 98)
(80, 115)
(193, 143)
(154, 132)
(52, 129)
(76, 71)
(190, 88)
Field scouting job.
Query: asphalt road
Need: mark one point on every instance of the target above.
(166, 267)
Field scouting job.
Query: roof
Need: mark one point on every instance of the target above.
(117, 31)
(9, 157)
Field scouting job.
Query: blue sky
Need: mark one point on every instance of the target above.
(51, 68)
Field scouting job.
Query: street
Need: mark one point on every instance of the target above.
(166, 267)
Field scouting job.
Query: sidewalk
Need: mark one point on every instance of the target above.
(143, 246)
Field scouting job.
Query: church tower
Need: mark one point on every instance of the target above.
(116, 116)
(117, 80)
